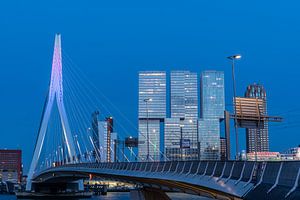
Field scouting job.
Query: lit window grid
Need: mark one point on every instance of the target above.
(261, 143)
(209, 139)
(212, 94)
(102, 126)
(184, 94)
(154, 140)
(173, 136)
(152, 85)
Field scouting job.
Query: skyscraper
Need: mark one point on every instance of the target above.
(106, 140)
(181, 132)
(95, 130)
(212, 94)
(223, 149)
(257, 139)
(184, 94)
(172, 138)
(152, 111)
(212, 111)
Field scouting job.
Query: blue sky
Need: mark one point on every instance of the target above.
(112, 40)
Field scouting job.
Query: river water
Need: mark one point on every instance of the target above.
(122, 196)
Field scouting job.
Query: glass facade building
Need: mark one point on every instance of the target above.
(106, 140)
(257, 139)
(152, 85)
(151, 111)
(154, 140)
(102, 126)
(212, 111)
(181, 131)
(172, 138)
(184, 94)
(212, 94)
(209, 139)
(182, 126)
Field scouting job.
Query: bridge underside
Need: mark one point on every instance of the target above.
(214, 179)
(157, 184)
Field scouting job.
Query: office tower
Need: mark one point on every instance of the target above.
(110, 130)
(113, 146)
(212, 95)
(212, 112)
(223, 148)
(181, 139)
(106, 140)
(184, 94)
(209, 138)
(257, 139)
(181, 131)
(172, 138)
(95, 130)
(153, 128)
(11, 165)
(152, 111)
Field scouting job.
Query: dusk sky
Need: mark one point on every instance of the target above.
(112, 40)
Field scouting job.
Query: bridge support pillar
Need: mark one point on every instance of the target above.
(149, 194)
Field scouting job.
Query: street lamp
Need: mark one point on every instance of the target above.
(181, 138)
(233, 58)
(147, 115)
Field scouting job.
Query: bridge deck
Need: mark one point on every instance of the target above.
(238, 179)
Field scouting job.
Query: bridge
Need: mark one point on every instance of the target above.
(68, 159)
(214, 179)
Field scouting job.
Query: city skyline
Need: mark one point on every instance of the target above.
(196, 51)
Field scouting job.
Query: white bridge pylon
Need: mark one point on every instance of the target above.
(55, 92)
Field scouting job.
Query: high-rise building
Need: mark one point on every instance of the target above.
(10, 165)
(151, 112)
(110, 130)
(181, 131)
(172, 138)
(95, 130)
(257, 139)
(153, 129)
(223, 149)
(212, 94)
(209, 138)
(212, 112)
(184, 94)
(152, 85)
(106, 140)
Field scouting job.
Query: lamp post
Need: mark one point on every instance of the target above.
(233, 58)
(181, 147)
(147, 117)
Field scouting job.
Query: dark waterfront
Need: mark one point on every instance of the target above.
(110, 196)
(121, 196)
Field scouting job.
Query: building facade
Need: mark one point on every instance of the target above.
(291, 154)
(106, 140)
(184, 94)
(11, 165)
(181, 131)
(95, 133)
(212, 112)
(257, 139)
(223, 149)
(151, 113)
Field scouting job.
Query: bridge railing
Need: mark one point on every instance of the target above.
(244, 171)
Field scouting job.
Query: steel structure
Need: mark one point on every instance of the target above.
(55, 93)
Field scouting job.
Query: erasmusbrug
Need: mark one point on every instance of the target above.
(66, 152)
(66, 134)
